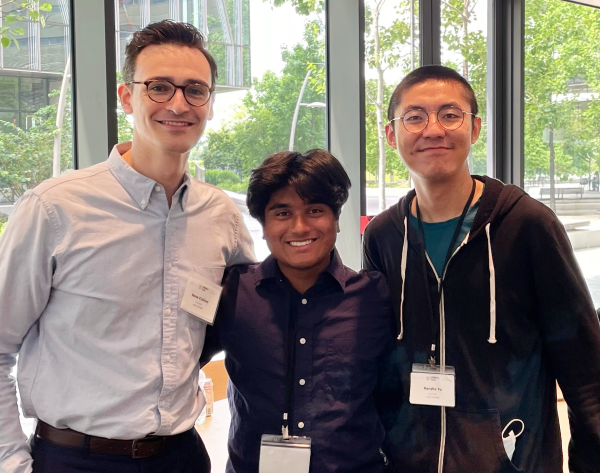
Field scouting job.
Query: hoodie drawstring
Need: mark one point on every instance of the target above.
(492, 338)
(403, 275)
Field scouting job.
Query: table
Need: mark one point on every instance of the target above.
(214, 434)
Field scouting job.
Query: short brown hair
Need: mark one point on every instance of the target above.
(425, 73)
(317, 177)
(166, 32)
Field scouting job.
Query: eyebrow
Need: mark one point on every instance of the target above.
(278, 205)
(186, 82)
(418, 107)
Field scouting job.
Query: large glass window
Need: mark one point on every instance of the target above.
(391, 52)
(392, 47)
(35, 116)
(265, 55)
(562, 113)
(464, 48)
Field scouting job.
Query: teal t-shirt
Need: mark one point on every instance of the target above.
(439, 234)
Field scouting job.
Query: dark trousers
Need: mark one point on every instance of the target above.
(185, 454)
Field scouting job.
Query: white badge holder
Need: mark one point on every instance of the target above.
(429, 386)
(284, 455)
(201, 298)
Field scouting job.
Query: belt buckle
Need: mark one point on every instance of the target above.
(134, 447)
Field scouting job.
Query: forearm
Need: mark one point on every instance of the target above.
(15, 454)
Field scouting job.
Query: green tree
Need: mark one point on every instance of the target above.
(393, 164)
(562, 85)
(124, 125)
(385, 47)
(12, 11)
(26, 155)
(3, 223)
(262, 124)
(466, 53)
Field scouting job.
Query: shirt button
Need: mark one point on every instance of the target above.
(302, 341)
(168, 311)
(168, 357)
(302, 382)
(169, 266)
(304, 302)
(300, 425)
(143, 202)
(157, 188)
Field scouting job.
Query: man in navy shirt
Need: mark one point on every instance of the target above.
(303, 334)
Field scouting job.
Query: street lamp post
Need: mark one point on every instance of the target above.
(298, 104)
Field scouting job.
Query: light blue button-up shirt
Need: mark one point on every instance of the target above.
(93, 267)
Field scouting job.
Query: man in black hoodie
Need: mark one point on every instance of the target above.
(491, 306)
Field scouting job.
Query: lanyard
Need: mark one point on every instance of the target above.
(290, 356)
(447, 259)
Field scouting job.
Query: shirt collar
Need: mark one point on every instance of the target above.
(269, 269)
(137, 185)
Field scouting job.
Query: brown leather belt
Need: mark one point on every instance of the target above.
(139, 448)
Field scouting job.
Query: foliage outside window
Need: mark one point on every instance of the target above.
(464, 48)
(261, 126)
(562, 92)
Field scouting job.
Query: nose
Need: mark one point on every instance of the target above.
(300, 225)
(178, 104)
(433, 128)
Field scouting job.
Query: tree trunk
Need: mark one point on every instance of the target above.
(379, 106)
(465, 25)
(412, 54)
(551, 146)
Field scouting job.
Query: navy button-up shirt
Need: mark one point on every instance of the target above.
(345, 328)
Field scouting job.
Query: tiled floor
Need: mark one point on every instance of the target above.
(214, 434)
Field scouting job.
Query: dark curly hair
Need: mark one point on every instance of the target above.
(317, 177)
(166, 32)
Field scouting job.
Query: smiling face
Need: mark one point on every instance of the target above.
(435, 154)
(300, 235)
(172, 127)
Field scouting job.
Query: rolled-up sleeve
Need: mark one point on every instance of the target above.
(27, 263)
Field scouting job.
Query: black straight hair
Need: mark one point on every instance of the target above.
(432, 72)
(317, 177)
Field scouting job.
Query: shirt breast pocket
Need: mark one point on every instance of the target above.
(351, 367)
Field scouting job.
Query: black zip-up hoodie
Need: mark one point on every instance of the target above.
(513, 317)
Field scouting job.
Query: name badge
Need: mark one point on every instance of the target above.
(430, 387)
(277, 455)
(201, 298)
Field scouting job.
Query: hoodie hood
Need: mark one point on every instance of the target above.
(497, 200)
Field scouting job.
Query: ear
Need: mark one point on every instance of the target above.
(337, 226)
(125, 97)
(211, 111)
(390, 134)
(476, 130)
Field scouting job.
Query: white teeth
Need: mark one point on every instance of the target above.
(301, 243)
(176, 123)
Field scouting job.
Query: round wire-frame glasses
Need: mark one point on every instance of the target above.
(416, 120)
(162, 90)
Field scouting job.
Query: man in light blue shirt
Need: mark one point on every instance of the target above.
(93, 269)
